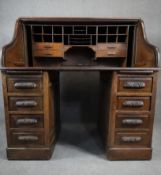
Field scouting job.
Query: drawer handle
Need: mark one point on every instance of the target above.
(28, 138)
(131, 139)
(132, 121)
(48, 54)
(134, 84)
(26, 121)
(28, 103)
(25, 85)
(19, 63)
(111, 47)
(131, 103)
(111, 53)
(47, 47)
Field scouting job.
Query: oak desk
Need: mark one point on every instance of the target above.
(116, 48)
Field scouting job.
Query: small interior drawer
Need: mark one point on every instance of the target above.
(48, 49)
(133, 103)
(48, 53)
(111, 50)
(135, 139)
(27, 138)
(25, 104)
(24, 84)
(108, 46)
(132, 121)
(47, 45)
(26, 121)
(134, 84)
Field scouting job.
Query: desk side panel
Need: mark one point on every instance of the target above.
(146, 55)
(14, 54)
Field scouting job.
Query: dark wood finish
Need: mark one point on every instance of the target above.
(29, 115)
(30, 84)
(112, 50)
(133, 103)
(16, 49)
(129, 154)
(26, 121)
(25, 104)
(38, 153)
(135, 84)
(133, 121)
(29, 139)
(144, 49)
(131, 139)
(117, 48)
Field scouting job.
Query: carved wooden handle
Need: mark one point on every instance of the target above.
(28, 138)
(132, 121)
(27, 103)
(26, 121)
(133, 103)
(25, 85)
(134, 84)
(131, 139)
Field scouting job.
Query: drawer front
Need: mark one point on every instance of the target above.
(24, 84)
(116, 46)
(133, 103)
(132, 121)
(27, 138)
(52, 46)
(112, 50)
(48, 53)
(134, 84)
(132, 139)
(25, 104)
(26, 121)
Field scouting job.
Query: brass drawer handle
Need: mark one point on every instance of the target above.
(25, 85)
(26, 121)
(131, 139)
(27, 103)
(132, 103)
(132, 121)
(134, 84)
(28, 138)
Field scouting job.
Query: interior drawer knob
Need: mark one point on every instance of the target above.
(25, 85)
(132, 121)
(134, 84)
(26, 121)
(131, 138)
(27, 103)
(28, 138)
(133, 103)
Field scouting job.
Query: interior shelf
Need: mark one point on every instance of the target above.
(80, 34)
(50, 40)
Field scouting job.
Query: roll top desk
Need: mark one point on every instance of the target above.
(116, 48)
